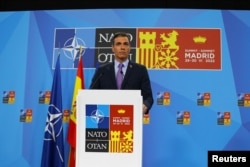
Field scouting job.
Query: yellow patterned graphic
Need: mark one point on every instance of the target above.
(128, 135)
(227, 121)
(127, 146)
(158, 56)
(146, 53)
(121, 143)
(121, 111)
(247, 103)
(28, 119)
(146, 119)
(200, 39)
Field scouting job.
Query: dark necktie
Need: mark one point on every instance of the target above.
(119, 76)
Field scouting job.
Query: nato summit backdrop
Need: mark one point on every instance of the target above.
(198, 61)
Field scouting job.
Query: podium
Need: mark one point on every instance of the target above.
(109, 128)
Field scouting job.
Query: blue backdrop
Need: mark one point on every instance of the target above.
(30, 41)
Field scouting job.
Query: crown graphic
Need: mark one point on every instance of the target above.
(199, 39)
(121, 111)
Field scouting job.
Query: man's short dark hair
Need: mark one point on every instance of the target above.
(119, 34)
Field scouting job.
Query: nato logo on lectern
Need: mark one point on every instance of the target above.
(109, 128)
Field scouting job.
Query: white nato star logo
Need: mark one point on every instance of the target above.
(51, 121)
(241, 96)
(23, 112)
(52, 133)
(97, 116)
(72, 48)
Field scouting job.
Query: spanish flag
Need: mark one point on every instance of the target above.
(79, 84)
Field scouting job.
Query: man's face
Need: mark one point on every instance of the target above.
(121, 48)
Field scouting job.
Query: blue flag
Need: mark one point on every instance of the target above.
(53, 148)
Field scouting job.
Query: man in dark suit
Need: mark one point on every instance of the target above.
(135, 76)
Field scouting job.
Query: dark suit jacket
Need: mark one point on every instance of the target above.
(136, 78)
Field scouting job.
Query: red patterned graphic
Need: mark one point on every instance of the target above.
(165, 48)
(121, 128)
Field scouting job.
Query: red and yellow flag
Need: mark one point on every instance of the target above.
(79, 84)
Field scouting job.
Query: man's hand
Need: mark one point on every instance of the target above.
(144, 108)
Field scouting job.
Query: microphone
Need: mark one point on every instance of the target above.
(97, 79)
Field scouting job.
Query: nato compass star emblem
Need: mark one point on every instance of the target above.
(97, 116)
(74, 48)
(51, 129)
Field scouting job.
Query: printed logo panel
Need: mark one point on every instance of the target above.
(70, 44)
(183, 117)
(9, 97)
(44, 97)
(156, 48)
(26, 115)
(244, 99)
(179, 48)
(163, 98)
(223, 118)
(109, 128)
(203, 99)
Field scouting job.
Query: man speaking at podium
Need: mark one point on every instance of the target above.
(123, 73)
